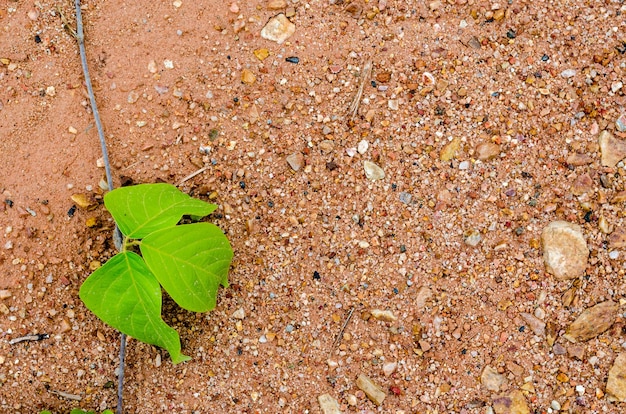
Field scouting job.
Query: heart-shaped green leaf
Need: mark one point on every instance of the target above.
(190, 262)
(127, 296)
(141, 209)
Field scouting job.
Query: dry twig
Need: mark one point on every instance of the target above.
(193, 174)
(35, 337)
(343, 328)
(365, 74)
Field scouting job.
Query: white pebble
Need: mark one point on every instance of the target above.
(363, 147)
(614, 254)
(568, 73)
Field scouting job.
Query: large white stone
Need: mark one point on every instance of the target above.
(565, 250)
(278, 29)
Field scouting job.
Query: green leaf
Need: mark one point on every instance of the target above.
(190, 262)
(127, 296)
(141, 209)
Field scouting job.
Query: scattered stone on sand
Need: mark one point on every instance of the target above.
(278, 29)
(612, 150)
(389, 368)
(583, 184)
(372, 171)
(450, 150)
(423, 295)
(592, 322)
(84, 201)
(248, 77)
(487, 150)
(384, 315)
(276, 5)
(491, 379)
(239, 314)
(472, 237)
(576, 351)
(535, 324)
(565, 251)
(604, 226)
(620, 123)
(513, 402)
(616, 384)
(371, 389)
(579, 159)
(328, 404)
(295, 160)
(327, 145)
(617, 239)
(362, 147)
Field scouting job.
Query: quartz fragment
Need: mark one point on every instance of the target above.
(487, 150)
(384, 315)
(491, 380)
(371, 389)
(565, 250)
(423, 295)
(295, 161)
(613, 150)
(616, 384)
(372, 171)
(617, 239)
(389, 368)
(328, 404)
(450, 150)
(278, 29)
(513, 402)
(592, 322)
(535, 324)
(620, 123)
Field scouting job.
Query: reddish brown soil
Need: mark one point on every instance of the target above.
(313, 244)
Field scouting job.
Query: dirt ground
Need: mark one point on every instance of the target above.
(484, 118)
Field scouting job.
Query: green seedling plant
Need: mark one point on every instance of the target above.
(188, 261)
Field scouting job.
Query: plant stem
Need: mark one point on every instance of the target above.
(80, 37)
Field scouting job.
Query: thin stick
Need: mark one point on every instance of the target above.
(343, 328)
(80, 36)
(67, 395)
(193, 174)
(365, 74)
(35, 337)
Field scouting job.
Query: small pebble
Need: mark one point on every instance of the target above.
(389, 368)
(293, 59)
(405, 197)
(372, 171)
(363, 146)
(278, 29)
(568, 73)
(295, 161)
(620, 123)
(239, 314)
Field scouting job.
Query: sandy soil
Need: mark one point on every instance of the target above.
(483, 116)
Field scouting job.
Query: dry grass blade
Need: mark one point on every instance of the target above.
(343, 328)
(365, 74)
